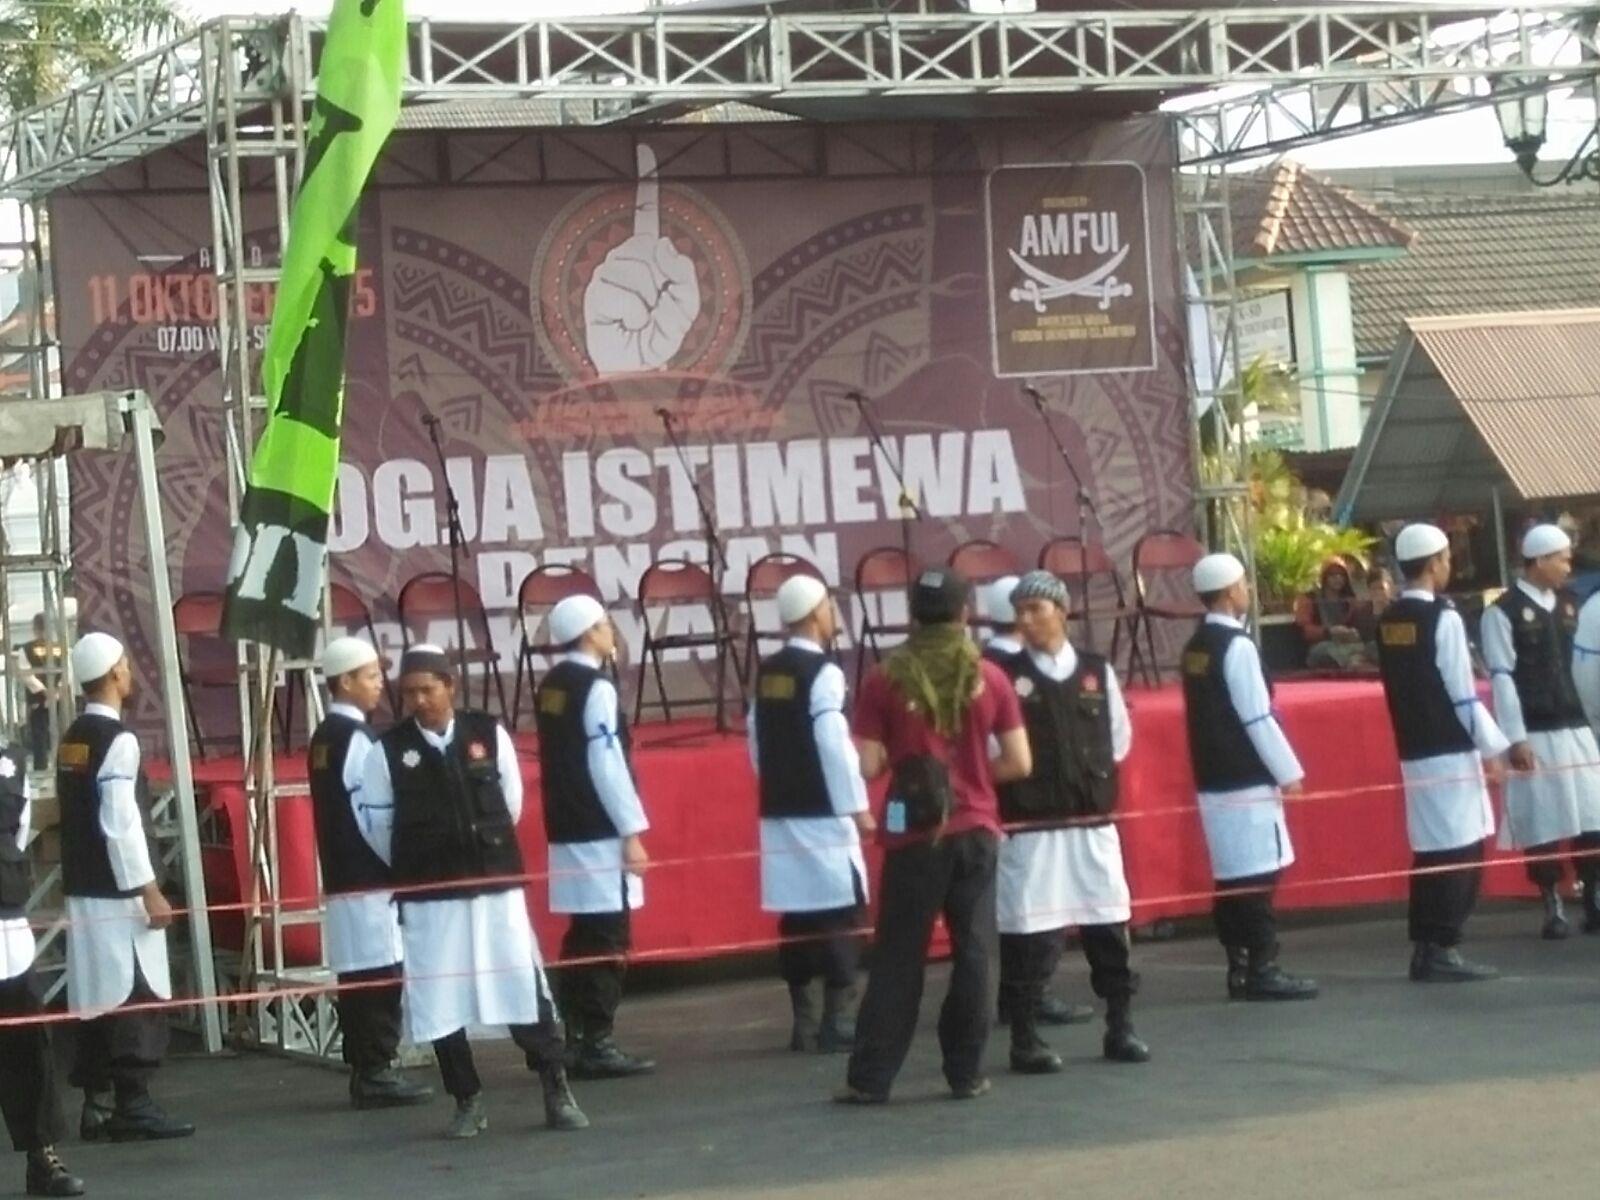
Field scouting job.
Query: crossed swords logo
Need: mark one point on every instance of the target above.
(1099, 284)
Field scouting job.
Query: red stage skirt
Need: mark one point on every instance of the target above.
(702, 897)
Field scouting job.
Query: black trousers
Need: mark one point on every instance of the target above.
(542, 1047)
(590, 992)
(1441, 901)
(120, 1051)
(1028, 960)
(1585, 851)
(822, 943)
(369, 1018)
(39, 734)
(28, 1095)
(955, 876)
(1243, 914)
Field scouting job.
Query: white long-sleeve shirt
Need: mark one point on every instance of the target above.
(1247, 691)
(375, 801)
(16, 935)
(108, 935)
(1500, 656)
(363, 928)
(1586, 659)
(1447, 800)
(812, 864)
(588, 877)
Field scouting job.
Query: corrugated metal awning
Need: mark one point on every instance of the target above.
(1471, 403)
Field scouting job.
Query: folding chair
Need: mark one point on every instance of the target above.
(665, 584)
(878, 572)
(1159, 556)
(432, 595)
(982, 561)
(765, 577)
(1080, 566)
(211, 661)
(545, 587)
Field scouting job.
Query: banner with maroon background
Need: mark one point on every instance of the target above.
(544, 322)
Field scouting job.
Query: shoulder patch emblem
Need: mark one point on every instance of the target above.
(778, 685)
(73, 754)
(552, 701)
(1196, 662)
(319, 758)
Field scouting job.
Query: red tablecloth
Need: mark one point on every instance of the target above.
(702, 899)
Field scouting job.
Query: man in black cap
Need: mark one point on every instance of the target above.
(926, 716)
(443, 794)
(361, 929)
(28, 1094)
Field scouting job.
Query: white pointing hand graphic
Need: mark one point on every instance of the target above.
(643, 298)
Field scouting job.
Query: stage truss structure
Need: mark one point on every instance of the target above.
(1246, 83)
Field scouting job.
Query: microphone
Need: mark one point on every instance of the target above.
(666, 417)
(1033, 394)
(855, 397)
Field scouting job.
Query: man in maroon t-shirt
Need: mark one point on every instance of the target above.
(927, 712)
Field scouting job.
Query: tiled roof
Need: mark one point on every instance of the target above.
(1472, 254)
(1287, 209)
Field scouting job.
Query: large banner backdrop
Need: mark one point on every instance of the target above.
(545, 323)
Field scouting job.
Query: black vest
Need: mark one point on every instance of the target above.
(1420, 709)
(348, 863)
(1069, 730)
(995, 654)
(1221, 754)
(451, 823)
(790, 768)
(85, 865)
(16, 880)
(572, 808)
(1543, 642)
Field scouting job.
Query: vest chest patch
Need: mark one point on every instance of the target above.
(778, 686)
(1528, 616)
(1399, 633)
(1024, 687)
(477, 751)
(8, 768)
(410, 759)
(1090, 686)
(73, 755)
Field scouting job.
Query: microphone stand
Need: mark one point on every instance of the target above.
(909, 511)
(716, 560)
(1084, 505)
(458, 550)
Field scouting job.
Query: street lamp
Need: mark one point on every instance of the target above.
(1523, 113)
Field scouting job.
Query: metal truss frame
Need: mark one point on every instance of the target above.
(1318, 70)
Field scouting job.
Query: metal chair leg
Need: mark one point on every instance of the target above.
(644, 665)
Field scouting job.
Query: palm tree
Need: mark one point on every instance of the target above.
(47, 46)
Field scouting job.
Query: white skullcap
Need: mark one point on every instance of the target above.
(574, 617)
(1544, 539)
(799, 597)
(1215, 572)
(994, 601)
(347, 654)
(1419, 541)
(94, 656)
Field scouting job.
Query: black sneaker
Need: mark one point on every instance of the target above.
(1444, 964)
(143, 1120)
(48, 1175)
(1272, 982)
(1037, 1059)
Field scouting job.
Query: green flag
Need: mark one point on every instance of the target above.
(280, 549)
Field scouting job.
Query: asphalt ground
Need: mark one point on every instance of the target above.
(1380, 1088)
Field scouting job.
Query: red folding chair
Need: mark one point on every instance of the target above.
(432, 595)
(761, 584)
(982, 561)
(207, 660)
(664, 585)
(878, 573)
(348, 611)
(1082, 566)
(545, 587)
(1162, 588)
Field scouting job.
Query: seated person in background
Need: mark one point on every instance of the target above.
(1326, 618)
(1380, 592)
